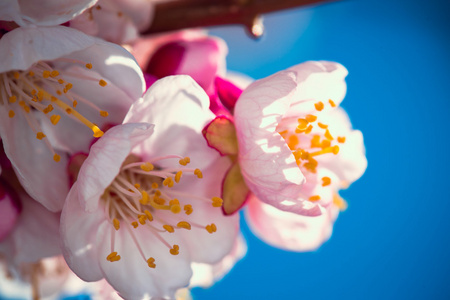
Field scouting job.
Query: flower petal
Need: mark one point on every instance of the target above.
(317, 82)
(179, 108)
(131, 277)
(31, 158)
(48, 43)
(287, 230)
(43, 13)
(109, 152)
(267, 164)
(79, 237)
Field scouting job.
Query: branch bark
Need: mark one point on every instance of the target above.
(180, 14)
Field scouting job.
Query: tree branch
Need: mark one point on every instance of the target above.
(180, 14)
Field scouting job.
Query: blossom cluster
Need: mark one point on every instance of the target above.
(126, 159)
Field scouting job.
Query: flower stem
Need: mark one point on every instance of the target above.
(180, 14)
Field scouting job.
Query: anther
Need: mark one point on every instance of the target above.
(188, 209)
(341, 139)
(54, 73)
(332, 103)
(302, 124)
(178, 176)
(184, 224)
(55, 119)
(328, 135)
(46, 74)
(12, 99)
(149, 215)
(154, 185)
(74, 103)
(40, 135)
(116, 224)
(184, 161)
(319, 105)
(102, 83)
(147, 167)
(211, 228)
(198, 173)
(16, 75)
(326, 181)
(323, 126)
(217, 202)
(103, 113)
(142, 219)
(48, 109)
(175, 250)
(151, 262)
(56, 157)
(314, 198)
(311, 118)
(135, 224)
(11, 114)
(145, 198)
(169, 228)
(168, 182)
(89, 66)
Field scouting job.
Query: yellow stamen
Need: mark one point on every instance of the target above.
(31, 73)
(302, 124)
(211, 228)
(328, 135)
(178, 176)
(151, 260)
(184, 161)
(111, 256)
(116, 224)
(309, 129)
(147, 167)
(188, 209)
(341, 139)
(16, 75)
(56, 157)
(12, 99)
(168, 182)
(198, 173)
(142, 219)
(74, 103)
(11, 114)
(48, 109)
(54, 73)
(149, 215)
(135, 224)
(145, 198)
(332, 103)
(315, 142)
(61, 81)
(184, 224)
(154, 185)
(40, 135)
(169, 228)
(137, 185)
(323, 126)
(311, 118)
(175, 250)
(292, 141)
(217, 202)
(89, 66)
(46, 74)
(104, 113)
(102, 83)
(55, 119)
(326, 181)
(314, 198)
(319, 105)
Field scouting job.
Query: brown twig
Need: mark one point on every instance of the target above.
(180, 14)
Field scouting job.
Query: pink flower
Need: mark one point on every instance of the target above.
(138, 215)
(58, 87)
(294, 149)
(44, 13)
(285, 145)
(116, 21)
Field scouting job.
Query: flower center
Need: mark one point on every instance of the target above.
(43, 89)
(142, 195)
(309, 140)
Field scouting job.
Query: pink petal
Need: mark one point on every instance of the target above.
(48, 43)
(171, 272)
(43, 13)
(35, 236)
(109, 152)
(31, 158)
(287, 230)
(179, 109)
(267, 164)
(317, 81)
(79, 237)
